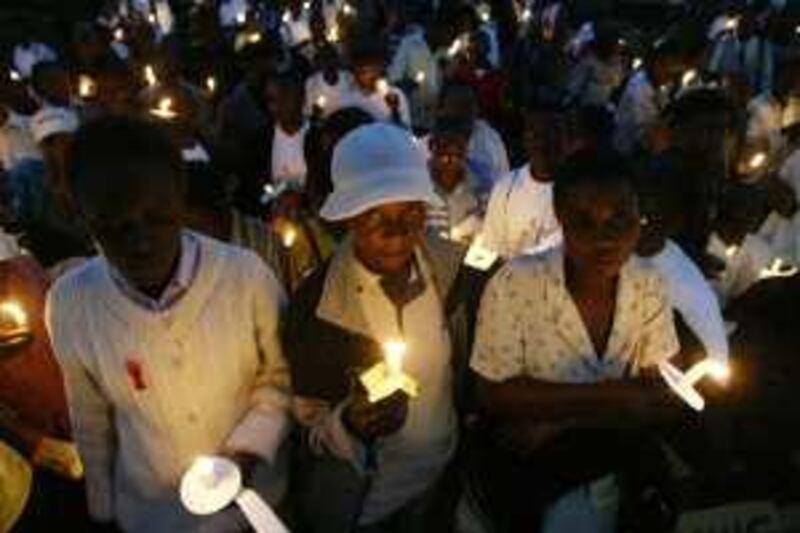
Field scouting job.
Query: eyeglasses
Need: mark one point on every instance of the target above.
(410, 220)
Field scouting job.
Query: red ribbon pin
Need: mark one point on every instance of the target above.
(135, 374)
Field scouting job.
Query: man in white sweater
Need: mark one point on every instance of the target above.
(168, 341)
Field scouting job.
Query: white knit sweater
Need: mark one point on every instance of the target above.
(149, 391)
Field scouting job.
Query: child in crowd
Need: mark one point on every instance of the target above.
(135, 332)
(285, 97)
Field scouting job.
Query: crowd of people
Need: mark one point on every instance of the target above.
(405, 266)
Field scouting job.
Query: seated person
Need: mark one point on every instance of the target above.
(566, 342)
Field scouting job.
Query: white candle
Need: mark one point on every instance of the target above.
(211, 84)
(150, 75)
(688, 77)
(683, 384)
(394, 352)
(388, 377)
(637, 63)
(778, 269)
(87, 88)
(757, 160)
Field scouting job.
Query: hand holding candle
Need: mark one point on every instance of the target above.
(388, 377)
(683, 384)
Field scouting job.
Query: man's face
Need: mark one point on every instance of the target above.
(385, 237)
(601, 226)
(138, 227)
(448, 161)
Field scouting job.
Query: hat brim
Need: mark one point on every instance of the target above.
(343, 205)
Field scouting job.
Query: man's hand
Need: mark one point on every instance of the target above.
(368, 421)
(58, 456)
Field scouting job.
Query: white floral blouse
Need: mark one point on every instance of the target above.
(530, 326)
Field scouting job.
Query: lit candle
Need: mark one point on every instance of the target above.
(479, 257)
(288, 235)
(151, 18)
(119, 34)
(455, 47)
(87, 88)
(150, 75)
(684, 384)
(14, 326)
(348, 10)
(419, 77)
(164, 109)
(731, 251)
(211, 84)
(254, 37)
(382, 87)
(333, 33)
(307, 6)
(732, 23)
(287, 17)
(212, 483)
(14, 75)
(637, 63)
(527, 14)
(757, 160)
(688, 77)
(241, 17)
(388, 377)
(778, 269)
(321, 101)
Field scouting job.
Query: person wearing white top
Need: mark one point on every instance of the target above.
(770, 111)
(414, 64)
(296, 28)
(520, 218)
(27, 55)
(285, 100)
(487, 157)
(168, 341)
(744, 262)
(330, 87)
(372, 92)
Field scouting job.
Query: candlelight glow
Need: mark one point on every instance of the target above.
(321, 101)
(87, 88)
(164, 110)
(287, 17)
(254, 37)
(348, 10)
(731, 251)
(394, 351)
(333, 34)
(288, 235)
(689, 77)
(119, 34)
(241, 17)
(211, 84)
(151, 18)
(383, 87)
(150, 75)
(527, 14)
(757, 161)
(14, 75)
(637, 63)
(683, 384)
(457, 46)
(12, 311)
(732, 23)
(419, 77)
(307, 6)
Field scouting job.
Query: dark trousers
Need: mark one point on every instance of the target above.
(54, 504)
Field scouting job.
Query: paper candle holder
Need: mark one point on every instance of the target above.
(683, 384)
(387, 377)
(212, 483)
(14, 325)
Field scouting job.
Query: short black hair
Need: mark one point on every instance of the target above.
(591, 167)
(121, 148)
(451, 127)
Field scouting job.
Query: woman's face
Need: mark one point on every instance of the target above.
(601, 226)
(386, 236)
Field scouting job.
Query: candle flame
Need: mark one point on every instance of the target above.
(289, 236)
(119, 34)
(14, 75)
(757, 161)
(150, 75)
(241, 17)
(287, 17)
(12, 310)
(637, 63)
(151, 18)
(527, 14)
(333, 34)
(254, 37)
(383, 87)
(211, 84)
(348, 10)
(321, 101)
(688, 77)
(732, 23)
(394, 352)
(731, 251)
(419, 77)
(86, 86)
(455, 48)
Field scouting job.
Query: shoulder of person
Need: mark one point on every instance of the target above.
(82, 279)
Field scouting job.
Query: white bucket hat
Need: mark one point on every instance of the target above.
(376, 165)
(52, 120)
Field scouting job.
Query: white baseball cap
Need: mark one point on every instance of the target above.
(374, 165)
(52, 120)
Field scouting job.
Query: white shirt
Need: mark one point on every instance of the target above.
(375, 104)
(460, 216)
(692, 296)
(743, 265)
(288, 159)
(26, 56)
(412, 59)
(529, 325)
(229, 10)
(637, 112)
(334, 95)
(296, 31)
(520, 218)
(16, 141)
(149, 391)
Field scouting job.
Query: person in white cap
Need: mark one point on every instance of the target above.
(378, 466)
(41, 194)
